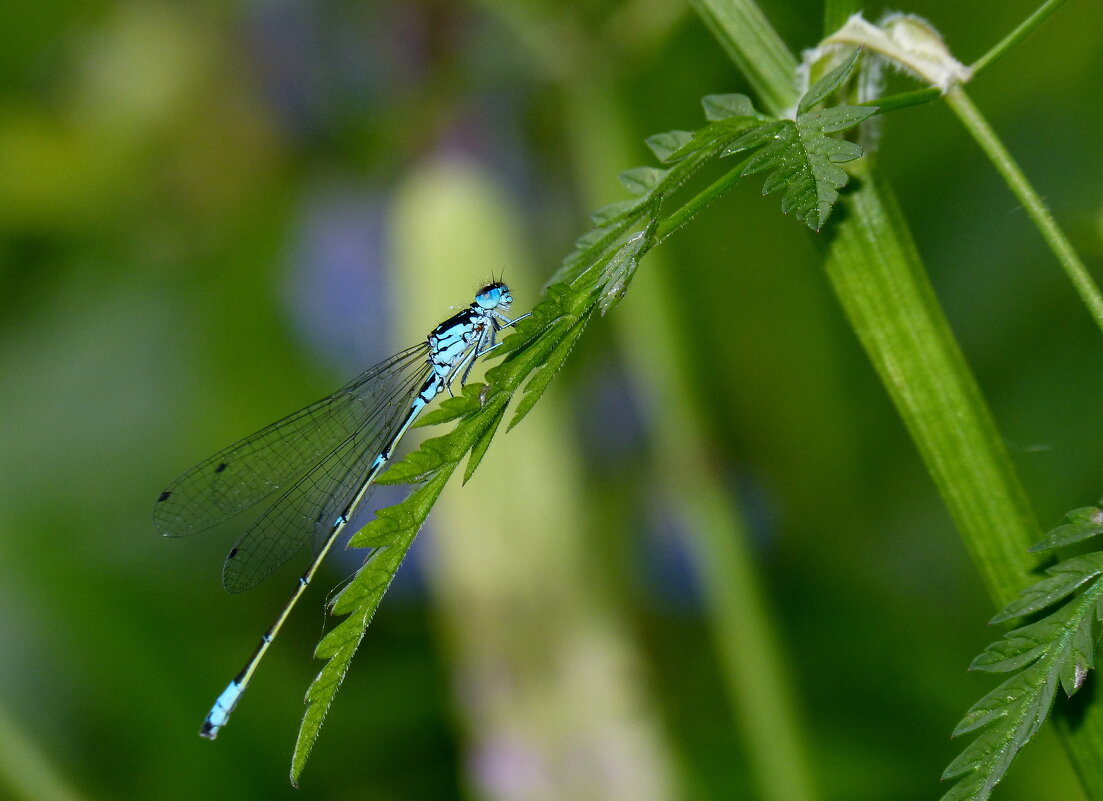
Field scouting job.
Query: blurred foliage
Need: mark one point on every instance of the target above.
(194, 240)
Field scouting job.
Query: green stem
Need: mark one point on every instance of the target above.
(1021, 32)
(684, 213)
(990, 143)
(903, 100)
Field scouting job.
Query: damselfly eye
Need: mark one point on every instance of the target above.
(493, 295)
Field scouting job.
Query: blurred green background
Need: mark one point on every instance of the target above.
(214, 213)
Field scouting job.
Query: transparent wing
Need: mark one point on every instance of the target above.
(237, 477)
(308, 510)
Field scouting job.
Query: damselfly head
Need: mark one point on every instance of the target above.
(493, 296)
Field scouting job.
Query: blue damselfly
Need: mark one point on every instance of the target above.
(323, 461)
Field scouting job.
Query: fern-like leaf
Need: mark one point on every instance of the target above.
(480, 408)
(1057, 650)
(801, 157)
(390, 536)
(594, 277)
(1083, 524)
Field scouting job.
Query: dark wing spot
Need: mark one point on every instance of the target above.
(221, 467)
(233, 553)
(164, 496)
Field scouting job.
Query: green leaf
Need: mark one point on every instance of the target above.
(454, 407)
(1000, 703)
(543, 375)
(489, 427)
(359, 601)
(1080, 658)
(839, 118)
(341, 645)
(1017, 649)
(666, 145)
(620, 270)
(591, 238)
(642, 180)
(535, 349)
(827, 84)
(1083, 524)
(615, 211)
(801, 159)
(595, 276)
(1064, 579)
(720, 107)
(1057, 650)
(416, 466)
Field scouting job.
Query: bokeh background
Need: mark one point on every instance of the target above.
(213, 213)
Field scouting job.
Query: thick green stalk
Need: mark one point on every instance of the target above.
(990, 143)
(879, 279)
(755, 47)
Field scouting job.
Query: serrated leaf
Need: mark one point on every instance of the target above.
(757, 136)
(534, 355)
(998, 703)
(1081, 657)
(594, 276)
(986, 760)
(1083, 524)
(666, 145)
(1016, 650)
(542, 376)
(453, 407)
(615, 211)
(415, 466)
(591, 238)
(720, 107)
(587, 249)
(827, 84)
(1059, 649)
(641, 180)
(840, 118)
(801, 159)
(359, 601)
(478, 449)
(322, 691)
(390, 534)
(620, 270)
(1063, 580)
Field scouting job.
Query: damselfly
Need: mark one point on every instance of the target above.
(323, 461)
